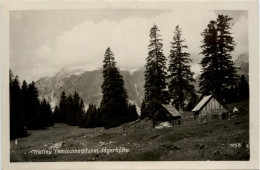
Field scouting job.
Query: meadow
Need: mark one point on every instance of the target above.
(214, 141)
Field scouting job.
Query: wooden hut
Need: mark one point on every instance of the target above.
(210, 105)
(172, 111)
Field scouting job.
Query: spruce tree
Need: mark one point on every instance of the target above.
(218, 72)
(242, 88)
(132, 112)
(155, 74)
(24, 93)
(25, 105)
(69, 110)
(16, 119)
(33, 118)
(90, 118)
(62, 113)
(192, 102)
(56, 114)
(76, 110)
(180, 87)
(144, 111)
(81, 113)
(46, 114)
(114, 101)
(98, 117)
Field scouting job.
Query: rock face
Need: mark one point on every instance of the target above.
(242, 64)
(88, 85)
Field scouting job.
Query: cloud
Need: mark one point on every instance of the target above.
(84, 44)
(128, 39)
(240, 33)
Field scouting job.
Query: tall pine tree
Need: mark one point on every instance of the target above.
(133, 115)
(180, 87)
(33, 118)
(69, 109)
(91, 117)
(242, 88)
(46, 114)
(218, 72)
(114, 101)
(155, 74)
(25, 99)
(17, 123)
(62, 114)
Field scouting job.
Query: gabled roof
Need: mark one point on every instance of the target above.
(172, 110)
(202, 103)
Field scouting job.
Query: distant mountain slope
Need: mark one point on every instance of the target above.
(242, 64)
(88, 85)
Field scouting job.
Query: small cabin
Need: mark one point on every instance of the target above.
(171, 112)
(210, 105)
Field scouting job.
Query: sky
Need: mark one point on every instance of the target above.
(42, 42)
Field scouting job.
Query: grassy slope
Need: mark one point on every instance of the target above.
(209, 141)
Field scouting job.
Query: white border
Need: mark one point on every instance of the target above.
(252, 8)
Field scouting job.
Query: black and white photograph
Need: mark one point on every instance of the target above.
(136, 81)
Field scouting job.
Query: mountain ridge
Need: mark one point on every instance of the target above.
(88, 83)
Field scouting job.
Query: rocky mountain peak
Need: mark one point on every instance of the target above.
(88, 85)
(64, 72)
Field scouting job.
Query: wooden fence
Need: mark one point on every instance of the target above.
(200, 119)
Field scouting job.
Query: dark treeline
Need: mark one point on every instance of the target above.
(71, 111)
(26, 111)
